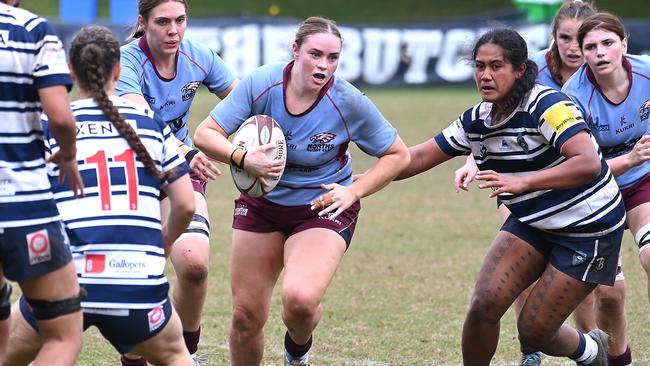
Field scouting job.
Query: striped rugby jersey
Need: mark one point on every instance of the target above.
(115, 231)
(31, 57)
(530, 140)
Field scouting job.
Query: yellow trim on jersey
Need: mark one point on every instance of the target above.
(560, 117)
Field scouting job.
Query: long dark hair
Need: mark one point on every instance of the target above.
(144, 9)
(514, 50)
(571, 9)
(94, 54)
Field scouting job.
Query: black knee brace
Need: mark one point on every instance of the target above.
(45, 309)
(5, 301)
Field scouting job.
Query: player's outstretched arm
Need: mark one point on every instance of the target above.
(424, 156)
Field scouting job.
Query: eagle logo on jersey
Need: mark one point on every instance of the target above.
(645, 110)
(322, 138)
(320, 142)
(190, 89)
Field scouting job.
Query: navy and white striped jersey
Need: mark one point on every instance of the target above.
(115, 231)
(530, 140)
(31, 57)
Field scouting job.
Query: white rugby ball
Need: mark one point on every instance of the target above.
(256, 131)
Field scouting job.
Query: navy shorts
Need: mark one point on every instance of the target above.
(197, 184)
(260, 215)
(593, 259)
(29, 252)
(123, 328)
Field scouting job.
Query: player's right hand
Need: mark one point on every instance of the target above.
(68, 170)
(464, 175)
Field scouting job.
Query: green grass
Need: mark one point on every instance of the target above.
(356, 11)
(401, 292)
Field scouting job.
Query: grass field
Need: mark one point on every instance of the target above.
(400, 295)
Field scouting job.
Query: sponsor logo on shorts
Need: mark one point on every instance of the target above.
(599, 263)
(579, 258)
(156, 318)
(241, 211)
(95, 263)
(38, 247)
(329, 217)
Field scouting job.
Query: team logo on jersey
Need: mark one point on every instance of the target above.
(320, 142)
(151, 100)
(4, 38)
(156, 318)
(38, 247)
(95, 263)
(594, 124)
(505, 146)
(644, 111)
(483, 150)
(190, 89)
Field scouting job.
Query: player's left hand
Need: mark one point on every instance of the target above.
(204, 168)
(337, 200)
(501, 183)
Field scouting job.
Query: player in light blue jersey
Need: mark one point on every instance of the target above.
(163, 70)
(613, 89)
(119, 247)
(33, 246)
(535, 152)
(306, 223)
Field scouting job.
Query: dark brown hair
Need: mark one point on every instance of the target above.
(515, 51)
(313, 25)
(571, 9)
(144, 9)
(94, 54)
(604, 21)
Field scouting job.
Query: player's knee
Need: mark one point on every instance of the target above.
(245, 320)
(193, 274)
(610, 299)
(50, 309)
(300, 302)
(483, 309)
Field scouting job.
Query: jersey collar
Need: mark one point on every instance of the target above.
(628, 68)
(286, 74)
(144, 46)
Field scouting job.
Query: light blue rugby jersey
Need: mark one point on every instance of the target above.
(170, 99)
(528, 141)
(114, 229)
(31, 57)
(544, 76)
(617, 127)
(317, 140)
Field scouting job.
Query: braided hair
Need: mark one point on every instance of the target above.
(514, 50)
(571, 9)
(94, 54)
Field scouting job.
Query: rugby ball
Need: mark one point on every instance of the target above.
(256, 131)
